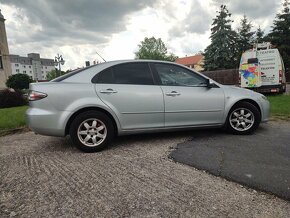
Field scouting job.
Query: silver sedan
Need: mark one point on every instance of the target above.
(97, 103)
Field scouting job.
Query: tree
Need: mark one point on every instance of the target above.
(280, 34)
(259, 35)
(154, 49)
(222, 52)
(245, 35)
(53, 74)
(18, 81)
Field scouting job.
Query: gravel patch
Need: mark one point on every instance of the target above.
(48, 177)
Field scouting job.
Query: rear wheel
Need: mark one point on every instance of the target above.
(91, 131)
(243, 118)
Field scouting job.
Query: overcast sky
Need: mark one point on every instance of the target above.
(114, 28)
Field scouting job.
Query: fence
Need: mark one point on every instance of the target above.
(226, 77)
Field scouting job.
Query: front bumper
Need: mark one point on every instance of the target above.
(46, 122)
(265, 110)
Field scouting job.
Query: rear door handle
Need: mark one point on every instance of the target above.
(108, 91)
(173, 93)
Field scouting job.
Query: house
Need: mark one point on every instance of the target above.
(195, 62)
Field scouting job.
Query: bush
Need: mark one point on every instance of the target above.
(18, 81)
(10, 98)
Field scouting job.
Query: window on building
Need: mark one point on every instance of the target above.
(24, 66)
(1, 63)
(30, 67)
(16, 65)
(17, 70)
(45, 67)
(24, 71)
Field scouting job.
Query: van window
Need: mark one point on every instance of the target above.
(253, 61)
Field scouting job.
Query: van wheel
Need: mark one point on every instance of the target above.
(91, 131)
(244, 118)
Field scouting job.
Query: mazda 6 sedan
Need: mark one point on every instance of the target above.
(95, 104)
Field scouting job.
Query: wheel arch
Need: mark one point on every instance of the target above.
(251, 101)
(69, 122)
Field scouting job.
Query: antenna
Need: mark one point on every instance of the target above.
(101, 57)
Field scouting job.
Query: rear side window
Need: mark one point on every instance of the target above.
(106, 76)
(129, 73)
(133, 73)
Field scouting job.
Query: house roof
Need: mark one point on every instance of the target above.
(190, 60)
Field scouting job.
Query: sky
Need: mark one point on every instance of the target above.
(77, 29)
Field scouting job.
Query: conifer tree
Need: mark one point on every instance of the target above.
(259, 35)
(280, 34)
(222, 52)
(245, 35)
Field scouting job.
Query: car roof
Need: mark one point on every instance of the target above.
(85, 75)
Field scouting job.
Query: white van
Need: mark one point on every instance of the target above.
(262, 69)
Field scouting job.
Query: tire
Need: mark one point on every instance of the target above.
(91, 131)
(243, 119)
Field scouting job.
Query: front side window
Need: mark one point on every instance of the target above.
(129, 73)
(171, 75)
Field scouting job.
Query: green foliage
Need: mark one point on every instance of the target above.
(259, 37)
(222, 52)
(280, 34)
(10, 98)
(154, 49)
(53, 74)
(18, 81)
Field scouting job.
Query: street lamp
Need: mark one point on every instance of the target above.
(58, 60)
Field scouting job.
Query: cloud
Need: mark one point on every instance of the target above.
(73, 20)
(254, 9)
(197, 20)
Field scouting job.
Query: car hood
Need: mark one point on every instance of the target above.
(242, 92)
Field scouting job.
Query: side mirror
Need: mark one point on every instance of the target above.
(209, 84)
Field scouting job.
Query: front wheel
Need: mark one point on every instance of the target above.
(91, 131)
(244, 118)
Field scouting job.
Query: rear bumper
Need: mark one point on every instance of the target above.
(46, 122)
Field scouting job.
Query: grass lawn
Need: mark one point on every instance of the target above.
(280, 106)
(11, 118)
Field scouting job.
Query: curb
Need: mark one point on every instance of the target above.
(14, 131)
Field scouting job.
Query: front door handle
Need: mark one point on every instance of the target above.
(173, 93)
(108, 91)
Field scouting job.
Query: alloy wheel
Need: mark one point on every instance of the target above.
(92, 132)
(241, 119)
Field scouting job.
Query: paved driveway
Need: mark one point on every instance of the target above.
(260, 161)
(45, 176)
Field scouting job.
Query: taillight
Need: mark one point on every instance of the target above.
(33, 95)
(280, 76)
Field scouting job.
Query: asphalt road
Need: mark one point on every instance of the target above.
(260, 161)
(48, 177)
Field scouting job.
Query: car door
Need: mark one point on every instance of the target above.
(188, 101)
(129, 90)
